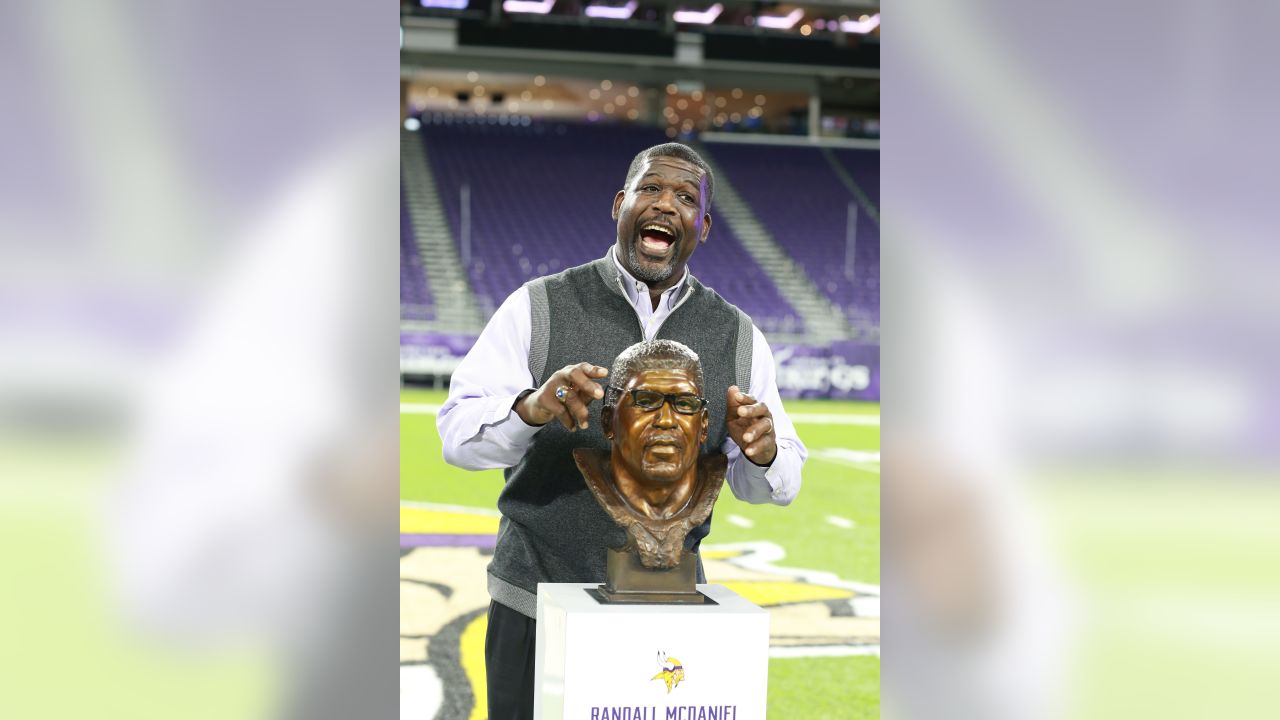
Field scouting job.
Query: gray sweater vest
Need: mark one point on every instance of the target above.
(552, 529)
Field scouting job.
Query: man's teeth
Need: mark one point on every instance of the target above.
(658, 228)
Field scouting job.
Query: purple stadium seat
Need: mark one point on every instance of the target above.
(415, 295)
(799, 198)
(864, 167)
(541, 193)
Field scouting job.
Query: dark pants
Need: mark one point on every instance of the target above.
(508, 660)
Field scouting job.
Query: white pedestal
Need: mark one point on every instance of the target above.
(598, 662)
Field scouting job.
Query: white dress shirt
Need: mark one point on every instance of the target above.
(481, 431)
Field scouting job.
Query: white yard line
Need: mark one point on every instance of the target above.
(840, 522)
(740, 521)
(789, 651)
(762, 554)
(847, 455)
(833, 419)
(861, 460)
(868, 469)
(440, 507)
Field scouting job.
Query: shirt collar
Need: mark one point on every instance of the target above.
(634, 287)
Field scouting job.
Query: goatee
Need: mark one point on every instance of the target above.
(645, 273)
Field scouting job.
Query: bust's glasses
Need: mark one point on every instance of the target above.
(650, 400)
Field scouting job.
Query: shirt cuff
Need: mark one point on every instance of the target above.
(506, 428)
(760, 476)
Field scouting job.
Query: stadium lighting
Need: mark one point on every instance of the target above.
(861, 26)
(699, 17)
(623, 12)
(785, 22)
(447, 4)
(539, 7)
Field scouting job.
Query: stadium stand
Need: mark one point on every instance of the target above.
(415, 295)
(864, 167)
(802, 201)
(540, 193)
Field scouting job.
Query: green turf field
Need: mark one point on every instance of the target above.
(846, 487)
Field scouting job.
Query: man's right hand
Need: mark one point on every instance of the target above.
(542, 406)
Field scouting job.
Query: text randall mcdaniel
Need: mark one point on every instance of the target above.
(680, 712)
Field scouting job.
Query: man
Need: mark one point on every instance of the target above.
(651, 481)
(523, 399)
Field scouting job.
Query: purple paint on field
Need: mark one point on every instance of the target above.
(432, 540)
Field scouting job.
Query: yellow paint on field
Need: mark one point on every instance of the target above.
(472, 660)
(767, 592)
(719, 554)
(419, 521)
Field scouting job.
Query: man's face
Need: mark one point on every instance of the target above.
(659, 446)
(661, 219)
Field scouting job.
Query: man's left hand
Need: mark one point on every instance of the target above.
(751, 427)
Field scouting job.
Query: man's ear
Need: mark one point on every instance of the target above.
(706, 227)
(706, 423)
(617, 202)
(606, 421)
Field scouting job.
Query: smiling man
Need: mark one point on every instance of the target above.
(662, 219)
(524, 397)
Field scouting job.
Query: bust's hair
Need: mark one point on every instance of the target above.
(675, 150)
(650, 355)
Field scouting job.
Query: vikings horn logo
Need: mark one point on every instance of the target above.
(672, 671)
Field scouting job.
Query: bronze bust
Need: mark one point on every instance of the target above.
(652, 481)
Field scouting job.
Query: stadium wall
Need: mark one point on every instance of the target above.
(840, 371)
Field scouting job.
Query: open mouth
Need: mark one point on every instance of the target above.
(657, 240)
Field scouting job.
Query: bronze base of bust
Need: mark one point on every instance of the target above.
(628, 581)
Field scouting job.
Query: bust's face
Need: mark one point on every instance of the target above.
(659, 446)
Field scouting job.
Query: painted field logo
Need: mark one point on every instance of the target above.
(672, 670)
